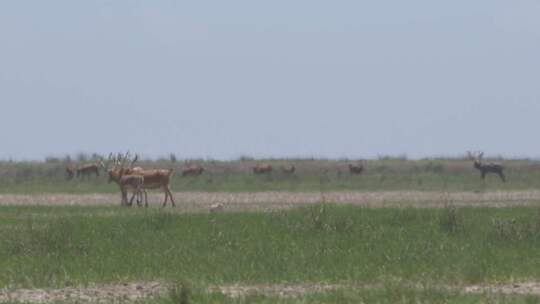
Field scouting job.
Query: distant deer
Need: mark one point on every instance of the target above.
(192, 170)
(262, 169)
(486, 168)
(356, 169)
(288, 170)
(70, 172)
(88, 169)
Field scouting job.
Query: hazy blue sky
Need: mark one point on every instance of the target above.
(275, 78)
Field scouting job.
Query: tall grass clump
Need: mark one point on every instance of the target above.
(449, 219)
(180, 294)
(516, 229)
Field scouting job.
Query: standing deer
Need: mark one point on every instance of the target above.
(159, 179)
(192, 170)
(356, 169)
(153, 179)
(486, 168)
(262, 169)
(88, 169)
(135, 183)
(118, 174)
(70, 172)
(288, 170)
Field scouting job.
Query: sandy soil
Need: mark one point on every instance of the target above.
(261, 201)
(97, 294)
(133, 292)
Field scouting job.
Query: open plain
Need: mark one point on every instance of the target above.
(401, 231)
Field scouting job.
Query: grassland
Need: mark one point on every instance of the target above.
(385, 174)
(371, 255)
(393, 249)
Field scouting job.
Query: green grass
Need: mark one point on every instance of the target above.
(64, 246)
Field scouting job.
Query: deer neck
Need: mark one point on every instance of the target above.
(114, 176)
(478, 165)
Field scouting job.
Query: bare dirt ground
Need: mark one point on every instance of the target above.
(134, 292)
(266, 201)
(114, 293)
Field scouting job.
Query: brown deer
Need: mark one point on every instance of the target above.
(356, 169)
(117, 172)
(262, 169)
(132, 182)
(288, 170)
(70, 172)
(192, 170)
(119, 162)
(88, 169)
(486, 168)
(159, 178)
(153, 179)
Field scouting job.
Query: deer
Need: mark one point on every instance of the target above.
(88, 169)
(70, 172)
(134, 182)
(288, 170)
(159, 178)
(356, 169)
(262, 169)
(118, 172)
(153, 179)
(486, 168)
(192, 170)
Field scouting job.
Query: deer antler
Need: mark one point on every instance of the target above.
(117, 159)
(134, 160)
(480, 155)
(106, 165)
(124, 159)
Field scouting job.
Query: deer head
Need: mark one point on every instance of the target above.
(476, 157)
(118, 168)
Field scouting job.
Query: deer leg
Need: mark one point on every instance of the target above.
(136, 192)
(145, 198)
(170, 195)
(484, 174)
(123, 194)
(139, 198)
(503, 178)
(166, 197)
(132, 197)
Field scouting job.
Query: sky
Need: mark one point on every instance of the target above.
(303, 78)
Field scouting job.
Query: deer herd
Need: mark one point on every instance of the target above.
(137, 180)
